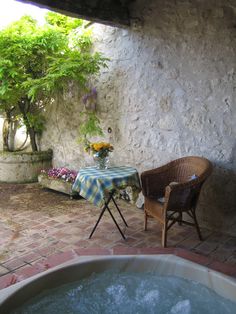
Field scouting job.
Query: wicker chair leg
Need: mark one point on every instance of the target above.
(164, 234)
(197, 226)
(145, 220)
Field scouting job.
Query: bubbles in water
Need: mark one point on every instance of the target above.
(126, 293)
(117, 292)
(151, 296)
(182, 307)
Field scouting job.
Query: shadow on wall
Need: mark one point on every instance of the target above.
(217, 203)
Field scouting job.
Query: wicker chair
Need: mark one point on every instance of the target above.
(178, 183)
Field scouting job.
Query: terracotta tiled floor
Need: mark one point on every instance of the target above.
(41, 228)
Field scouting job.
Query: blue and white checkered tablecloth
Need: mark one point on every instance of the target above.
(92, 183)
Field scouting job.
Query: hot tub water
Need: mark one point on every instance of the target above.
(129, 292)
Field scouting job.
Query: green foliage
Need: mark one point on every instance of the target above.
(90, 127)
(70, 66)
(36, 62)
(36, 122)
(64, 23)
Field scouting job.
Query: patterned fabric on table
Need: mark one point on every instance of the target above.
(92, 183)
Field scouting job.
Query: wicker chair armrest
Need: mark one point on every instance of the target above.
(154, 182)
(182, 185)
(182, 194)
(189, 184)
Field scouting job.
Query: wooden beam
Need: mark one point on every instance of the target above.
(110, 12)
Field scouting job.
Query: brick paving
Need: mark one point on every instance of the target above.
(40, 229)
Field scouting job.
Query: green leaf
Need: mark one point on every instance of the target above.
(36, 62)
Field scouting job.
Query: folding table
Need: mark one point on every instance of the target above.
(99, 186)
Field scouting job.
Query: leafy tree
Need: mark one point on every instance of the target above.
(38, 62)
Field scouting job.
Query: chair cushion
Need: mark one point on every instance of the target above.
(161, 200)
(192, 177)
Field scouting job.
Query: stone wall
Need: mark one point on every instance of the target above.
(169, 92)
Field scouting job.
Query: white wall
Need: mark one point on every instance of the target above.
(169, 92)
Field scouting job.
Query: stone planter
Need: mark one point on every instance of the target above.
(57, 185)
(23, 167)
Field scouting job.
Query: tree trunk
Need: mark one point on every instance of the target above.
(32, 139)
(9, 135)
(5, 133)
(24, 106)
(13, 125)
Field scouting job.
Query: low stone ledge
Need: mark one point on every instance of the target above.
(25, 157)
(58, 185)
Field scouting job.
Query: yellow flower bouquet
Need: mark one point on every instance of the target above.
(101, 148)
(100, 151)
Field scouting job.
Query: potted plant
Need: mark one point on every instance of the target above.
(37, 63)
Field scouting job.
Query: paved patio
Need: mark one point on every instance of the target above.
(40, 229)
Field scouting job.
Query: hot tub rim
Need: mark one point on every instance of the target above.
(177, 263)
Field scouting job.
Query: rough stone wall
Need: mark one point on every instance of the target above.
(169, 92)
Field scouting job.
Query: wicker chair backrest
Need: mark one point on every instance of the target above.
(192, 173)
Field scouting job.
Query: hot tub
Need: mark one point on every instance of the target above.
(83, 267)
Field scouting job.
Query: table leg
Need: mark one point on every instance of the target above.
(101, 214)
(116, 223)
(113, 218)
(119, 211)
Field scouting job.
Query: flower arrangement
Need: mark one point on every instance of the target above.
(100, 149)
(61, 173)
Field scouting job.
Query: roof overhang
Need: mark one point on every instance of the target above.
(111, 12)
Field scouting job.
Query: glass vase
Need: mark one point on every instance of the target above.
(101, 163)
